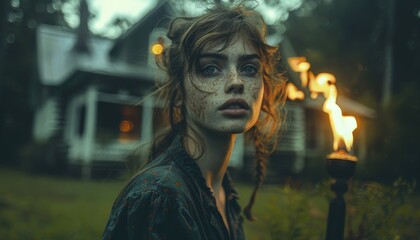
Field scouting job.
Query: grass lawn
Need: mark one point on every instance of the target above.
(36, 207)
(39, 207)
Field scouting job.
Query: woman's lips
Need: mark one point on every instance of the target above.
(234, 108)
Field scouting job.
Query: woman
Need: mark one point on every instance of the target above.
(221, 80)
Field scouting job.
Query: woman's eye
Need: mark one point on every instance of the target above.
(250, 70)
(209, 71)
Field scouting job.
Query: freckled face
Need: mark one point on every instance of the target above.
(225, 92)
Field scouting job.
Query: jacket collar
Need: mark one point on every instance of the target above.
(189, 165)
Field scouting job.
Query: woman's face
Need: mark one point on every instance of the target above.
(225, 92)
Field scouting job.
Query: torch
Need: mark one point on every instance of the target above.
(340, 164)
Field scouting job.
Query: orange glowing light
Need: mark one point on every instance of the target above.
(321, 84)
(304, 66)
(342, 126)
(293, 92)
(300, 65)
(126, 126)
(157, 48)
(305, 77)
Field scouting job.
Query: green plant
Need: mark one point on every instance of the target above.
(294, 215)
(373, 210)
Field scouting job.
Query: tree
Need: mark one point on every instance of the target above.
(19, 19)
(348, 38)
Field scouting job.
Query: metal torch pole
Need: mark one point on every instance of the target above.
(341, 167)
(337, 211)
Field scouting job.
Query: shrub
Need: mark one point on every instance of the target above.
(374, 211)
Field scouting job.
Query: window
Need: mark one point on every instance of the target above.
(118, 122)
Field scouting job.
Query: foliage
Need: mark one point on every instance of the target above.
(374, 211)
(295, 215)
(350, 48)
(18, 22)
(42, 157)
(33, 156)
(395, 138)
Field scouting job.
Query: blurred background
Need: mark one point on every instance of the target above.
(73, 113)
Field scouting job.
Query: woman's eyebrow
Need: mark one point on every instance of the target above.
(249, 57)
(220, 56)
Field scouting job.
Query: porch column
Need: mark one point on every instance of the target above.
(90, 130)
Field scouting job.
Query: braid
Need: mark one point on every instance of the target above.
(261, 154)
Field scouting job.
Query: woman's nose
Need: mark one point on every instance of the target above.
(234, 83)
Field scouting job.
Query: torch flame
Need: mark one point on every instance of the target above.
(342, 126)
(300, 65)
(293, 92)
(323, 84)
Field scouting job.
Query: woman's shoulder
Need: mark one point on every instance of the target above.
(154, 199)
(164, 180)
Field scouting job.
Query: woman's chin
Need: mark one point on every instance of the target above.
(235, 129)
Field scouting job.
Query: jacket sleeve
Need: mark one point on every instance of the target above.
(151, 215)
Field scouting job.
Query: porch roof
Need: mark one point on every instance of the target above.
(57, 62)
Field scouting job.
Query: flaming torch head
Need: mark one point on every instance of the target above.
(341, 126)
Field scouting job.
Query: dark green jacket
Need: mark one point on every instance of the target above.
(170, 200)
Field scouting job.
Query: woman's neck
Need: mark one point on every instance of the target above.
(213, 151)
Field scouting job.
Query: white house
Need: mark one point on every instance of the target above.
(92, 109)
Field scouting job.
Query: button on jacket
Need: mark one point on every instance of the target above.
(170, 200)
